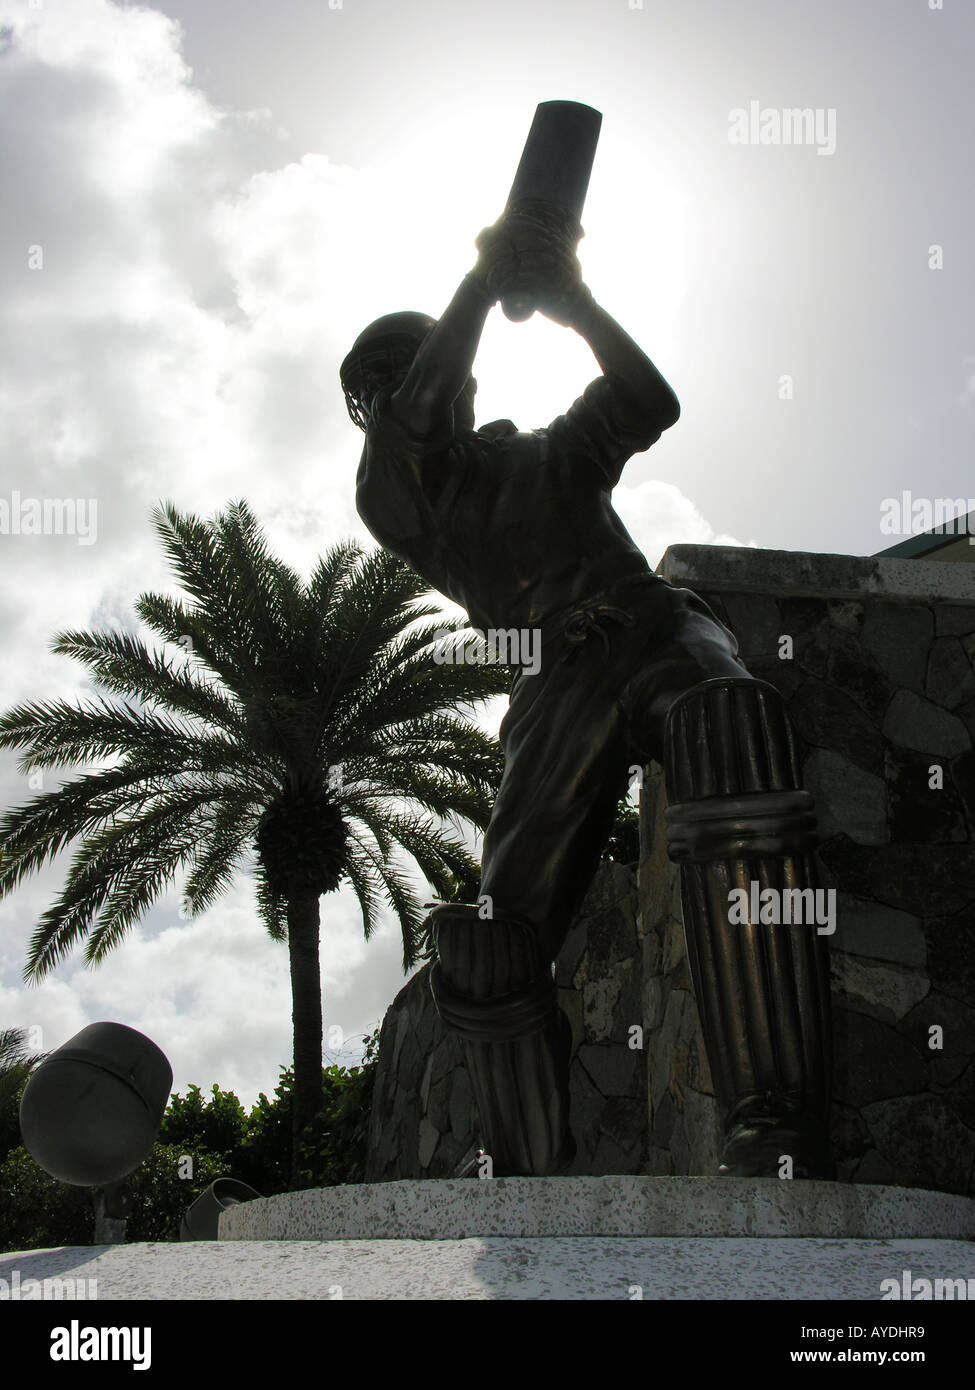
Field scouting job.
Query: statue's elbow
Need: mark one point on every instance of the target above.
(670, 412)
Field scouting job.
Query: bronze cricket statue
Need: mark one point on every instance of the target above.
(519, 529)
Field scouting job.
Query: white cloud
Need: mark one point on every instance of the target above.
(658, 514)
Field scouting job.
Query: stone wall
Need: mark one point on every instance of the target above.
(881, 686)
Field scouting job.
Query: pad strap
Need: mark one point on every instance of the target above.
(722, 827)
(506, 1016)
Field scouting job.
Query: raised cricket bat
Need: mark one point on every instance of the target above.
(555, 167)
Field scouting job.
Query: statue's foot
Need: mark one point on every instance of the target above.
(472, 1166)
(759, 1145)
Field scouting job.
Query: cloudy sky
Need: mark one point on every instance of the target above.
(205, 200)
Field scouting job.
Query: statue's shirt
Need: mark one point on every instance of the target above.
(512, 526)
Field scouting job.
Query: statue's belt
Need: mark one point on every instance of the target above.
(576, 623)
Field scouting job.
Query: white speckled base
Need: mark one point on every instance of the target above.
(457, 1209)
(500, 1268)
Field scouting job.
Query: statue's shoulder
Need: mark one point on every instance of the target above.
(392, 434)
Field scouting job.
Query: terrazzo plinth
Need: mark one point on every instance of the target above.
(603, 1206)
(499, 1268)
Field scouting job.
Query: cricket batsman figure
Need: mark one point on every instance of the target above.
(519, 529)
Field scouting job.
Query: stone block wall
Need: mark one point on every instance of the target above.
(881, 687)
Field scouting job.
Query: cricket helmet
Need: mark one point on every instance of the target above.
(381, 352)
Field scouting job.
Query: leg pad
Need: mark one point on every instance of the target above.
(492, 988)
(739, 816)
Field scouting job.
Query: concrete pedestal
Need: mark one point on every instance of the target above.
(605, 1207)
(510, 1268)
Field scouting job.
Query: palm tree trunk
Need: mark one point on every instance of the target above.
(306, 996)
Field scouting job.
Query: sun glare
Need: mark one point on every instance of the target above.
(639, 240)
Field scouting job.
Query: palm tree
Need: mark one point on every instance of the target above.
(301, 725)
(16, 1064)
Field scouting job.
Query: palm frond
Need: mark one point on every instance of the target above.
(362, 876)
(114, 876)
(215, 860)
(195, 635)
(272, 907)
(59, 734)
(124, 665)
(440, 857)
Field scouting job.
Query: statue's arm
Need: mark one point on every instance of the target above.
(624, 411)
(444, 359)
(621, 359)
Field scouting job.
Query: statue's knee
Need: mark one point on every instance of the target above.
(490, 982)
(732, 771)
